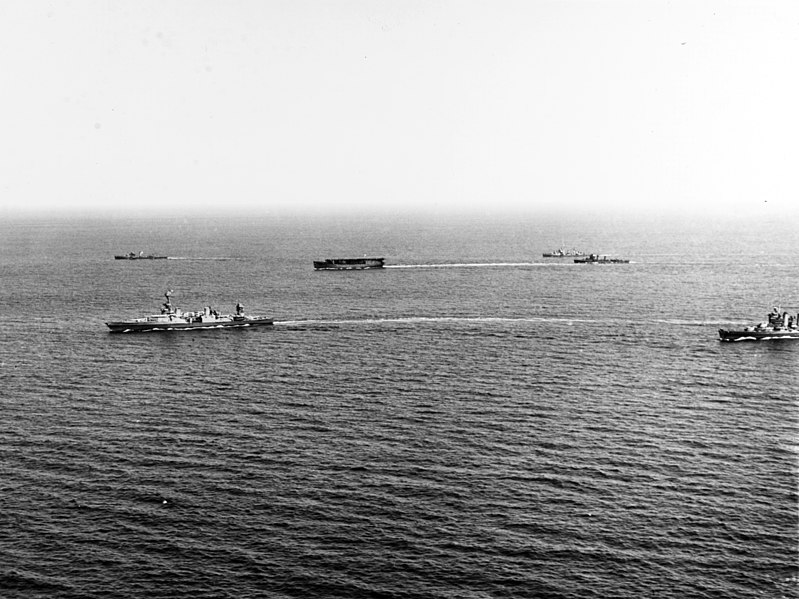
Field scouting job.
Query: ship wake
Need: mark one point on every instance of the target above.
(425, 320)
(199, 258)
(470, 265)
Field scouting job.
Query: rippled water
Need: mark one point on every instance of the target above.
(473, 421)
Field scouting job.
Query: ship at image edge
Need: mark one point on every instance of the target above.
(348, 263)
(779, 325)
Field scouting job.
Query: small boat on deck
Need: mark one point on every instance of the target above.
(780, 325)
(172, 318)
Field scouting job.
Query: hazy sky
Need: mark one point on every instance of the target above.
(208, 106)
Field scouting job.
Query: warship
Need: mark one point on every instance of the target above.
(139, 256)
(348, 263)
(597, 259)
(173, 318)
(779, 325)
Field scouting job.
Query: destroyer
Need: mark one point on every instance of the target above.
(597, 259)
(780, 325)
(139, 256)
(348, 263)
(172, 318)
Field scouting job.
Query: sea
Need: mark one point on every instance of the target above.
(473, 421)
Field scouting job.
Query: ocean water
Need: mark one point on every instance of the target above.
(472, 421)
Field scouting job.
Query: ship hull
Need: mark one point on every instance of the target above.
(758, 335)
(143, 327)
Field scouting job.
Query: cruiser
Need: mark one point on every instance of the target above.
(348, 263)
(172, 318)
(780, 325)
(597, 259)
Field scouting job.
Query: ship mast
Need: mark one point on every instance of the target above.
(167, 305)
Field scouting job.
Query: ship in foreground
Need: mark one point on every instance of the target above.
(139, 256)
(780, 325)
(597, 259)
(348, 263)
(173, 318)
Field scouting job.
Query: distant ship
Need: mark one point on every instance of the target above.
(779, 326)
(174, 319)
(348, 263)
(139, 256)
(562, 253)
(597, 259)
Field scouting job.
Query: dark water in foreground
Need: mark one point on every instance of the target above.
(474, 421)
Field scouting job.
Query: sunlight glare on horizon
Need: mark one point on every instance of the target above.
(451, 105)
